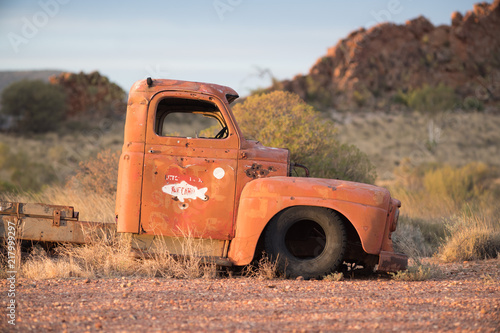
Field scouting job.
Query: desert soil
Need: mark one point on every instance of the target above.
(465, 297)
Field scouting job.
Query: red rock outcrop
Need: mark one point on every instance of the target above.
(370, 66)
(90, 96)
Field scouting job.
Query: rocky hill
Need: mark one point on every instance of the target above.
(90, 96)
(372, 68)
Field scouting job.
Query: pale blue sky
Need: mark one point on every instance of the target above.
(219, 41)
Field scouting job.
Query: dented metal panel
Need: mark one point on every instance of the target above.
(188, 184)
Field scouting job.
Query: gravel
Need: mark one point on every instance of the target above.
(464, 297)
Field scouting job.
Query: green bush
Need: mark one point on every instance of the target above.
(400, 98)
(473, 104)
(460, 184)
(432, 99)
(433, 196)
(20, 173)
(432, 191)
(361, 97)
(317, 93)
(282, 119)
(344, 161)
(34, 106)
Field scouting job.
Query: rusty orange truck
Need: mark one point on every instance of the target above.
(233, 197)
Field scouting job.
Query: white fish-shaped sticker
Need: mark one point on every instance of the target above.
(184, 191)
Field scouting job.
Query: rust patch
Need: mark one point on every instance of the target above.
(258, 171)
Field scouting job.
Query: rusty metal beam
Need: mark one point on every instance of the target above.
(49, 223)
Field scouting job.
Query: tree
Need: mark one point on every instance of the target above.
(33, 106)
(283, 119)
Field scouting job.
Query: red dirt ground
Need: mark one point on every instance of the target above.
(465, 298)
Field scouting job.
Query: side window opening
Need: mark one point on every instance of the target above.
(178, 117)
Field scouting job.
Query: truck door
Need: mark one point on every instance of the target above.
(190, 164)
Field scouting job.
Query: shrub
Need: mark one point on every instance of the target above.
(473, 104)
(34, 106)
(418, 272)
(471, 238)
(334, 277)
(418, 237)
(345, 161)
(432, 99)
(317, 93)
(361, 97)
(433, 194)
(400, 98)
(282, 119)
(264, 269)
(99, 174)
(433, 191)
(21, 173)
(459, 184)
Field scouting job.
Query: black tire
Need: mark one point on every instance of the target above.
(306, 241)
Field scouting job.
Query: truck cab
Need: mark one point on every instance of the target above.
(199, 178)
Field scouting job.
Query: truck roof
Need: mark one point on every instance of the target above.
(148, 85)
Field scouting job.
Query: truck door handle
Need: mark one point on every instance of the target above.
(151, 151)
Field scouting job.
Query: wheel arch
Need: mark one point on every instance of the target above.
(354, 247)
(365, 207)
(250, 230)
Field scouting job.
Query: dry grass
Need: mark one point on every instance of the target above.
(98, 175)
(471, 238)
(112, 256)
(450, 212)
(160, 263)
(60, 153)
(266, 269)
(39, 266)
(418, 271)
(433, 195)
(92, 206)
(453, 138)
(334, 277)
(433, 191)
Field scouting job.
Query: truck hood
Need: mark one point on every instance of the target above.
(323, 189)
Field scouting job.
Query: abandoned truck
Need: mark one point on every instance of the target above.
(233, 197)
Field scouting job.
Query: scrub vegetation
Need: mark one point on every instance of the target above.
(283, 120)
(449, 211)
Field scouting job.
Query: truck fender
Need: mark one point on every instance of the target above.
(364, 206)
